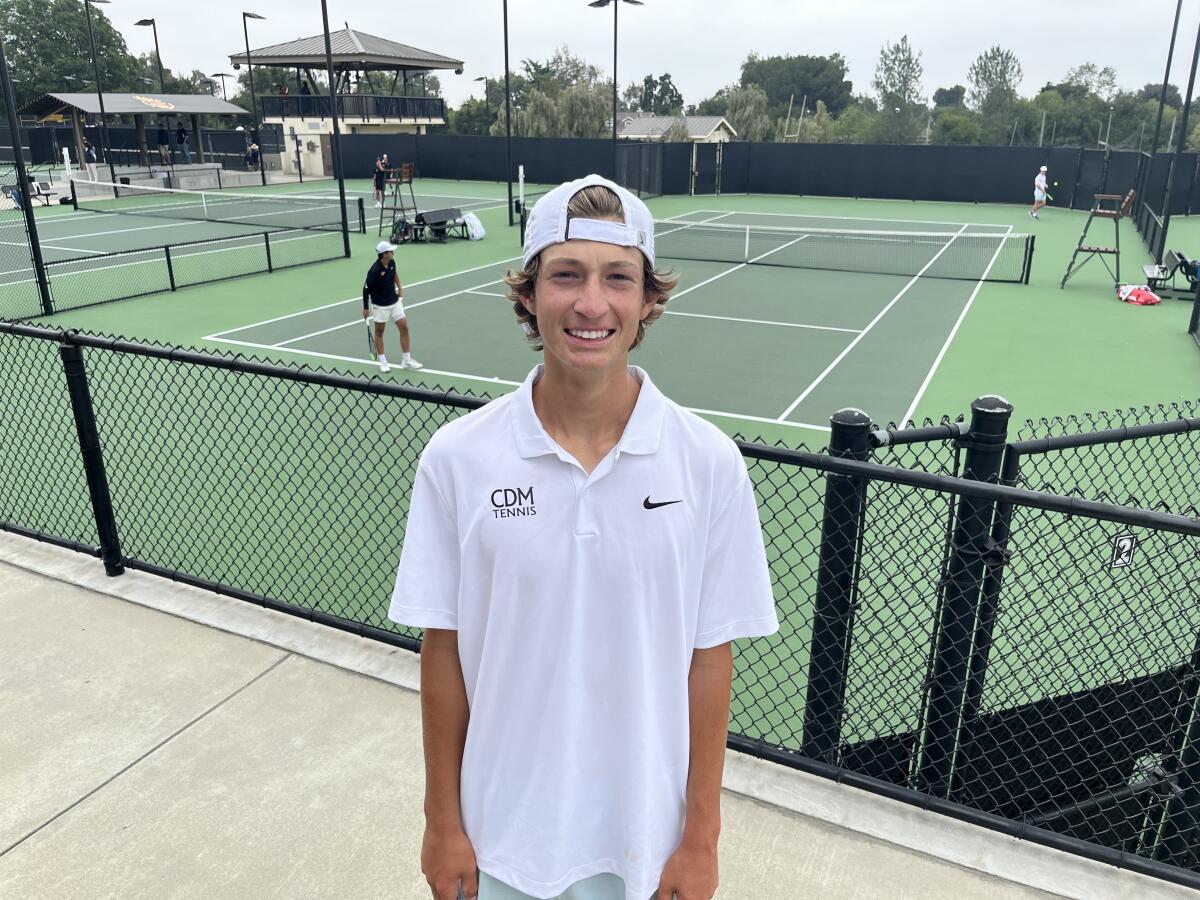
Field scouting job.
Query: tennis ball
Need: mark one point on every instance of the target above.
(1056, 184)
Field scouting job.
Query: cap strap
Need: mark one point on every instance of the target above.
(606, 232)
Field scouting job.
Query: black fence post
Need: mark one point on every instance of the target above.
(993, 576)
(837, 583)
(958, 616)
(93, 458)
(267, 245)
(170, 267)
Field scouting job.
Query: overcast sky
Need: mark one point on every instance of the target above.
(701, 43)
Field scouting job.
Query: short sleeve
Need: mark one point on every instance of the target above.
(735, 589)
(426, 592)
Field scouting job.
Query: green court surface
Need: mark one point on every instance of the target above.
(761, 349)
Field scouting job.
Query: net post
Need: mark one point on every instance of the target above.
(170, 267)
(1029, 258)
(74, 197)
(971, 550)
(362, 220)
(93, 457)
(267, 245)
(837, 585)
(746, 249)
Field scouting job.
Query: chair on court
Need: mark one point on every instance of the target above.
(1120, 209)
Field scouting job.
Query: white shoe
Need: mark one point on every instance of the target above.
(378, 205)
(1030, 213)
(411, 363)
(1035, 215)
(384, 367)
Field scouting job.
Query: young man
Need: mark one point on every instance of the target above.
(164, 143)
(1039, 192)
(182, 136)
(379, 177)
(383, 301)
(581, 553)
(89, 160)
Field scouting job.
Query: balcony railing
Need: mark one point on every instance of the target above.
(354, 106)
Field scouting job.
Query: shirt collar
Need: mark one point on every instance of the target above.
(642, 431)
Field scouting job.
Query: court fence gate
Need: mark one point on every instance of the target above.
(1024, 659)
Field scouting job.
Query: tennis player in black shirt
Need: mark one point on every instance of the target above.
(383, 302)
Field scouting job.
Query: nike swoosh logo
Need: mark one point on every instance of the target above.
(648, 505)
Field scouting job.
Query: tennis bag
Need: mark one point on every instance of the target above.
(475, 230)
(402, 232)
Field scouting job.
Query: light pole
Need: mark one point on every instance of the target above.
(162, 82)
(222, 76)
(1108, 131)
(507, 120)
(112, 171)
(600, 4)
(253, 96)
(337, 134)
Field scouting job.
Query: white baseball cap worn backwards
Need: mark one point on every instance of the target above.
(549, 223)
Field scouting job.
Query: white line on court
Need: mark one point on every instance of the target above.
(937, 361)
(313, 309)
(486, 294)
(735, 268)
(354, 322)
(675, 312)
(486, 380)
(746, 212)
(875, 321)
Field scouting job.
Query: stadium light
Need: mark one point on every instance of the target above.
(616, 4)
(112, 171)
(253, 96)
(162, 82)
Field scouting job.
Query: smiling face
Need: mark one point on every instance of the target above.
(589, 298)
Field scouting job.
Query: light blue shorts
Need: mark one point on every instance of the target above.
(598, 887)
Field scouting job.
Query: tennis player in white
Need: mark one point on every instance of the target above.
(1039, 192)
(581, 553)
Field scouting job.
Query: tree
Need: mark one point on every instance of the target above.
(819, 128)
(677, 133)
(957, 125)
(631, 97)
(46, 42)
(716, 105)
(1152, 90)
(856, 124)
(562, 70)
(785, 77)
(994, 77)
(898, 84)
(1095, 80)
(474, 116)
(660, 96)
(746, 110)
(949, 98)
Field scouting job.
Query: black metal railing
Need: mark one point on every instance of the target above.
(355, 106)
(1150, 227)
(1025, 659)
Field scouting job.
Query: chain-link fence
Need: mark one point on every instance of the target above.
(1026, 660)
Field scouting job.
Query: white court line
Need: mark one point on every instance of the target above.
(486, 294)
(363, 362)
(674, 312)
(950, 337)
(487, 380)
(747, 212)
(875, 321)
(407, 307)
(313, 309)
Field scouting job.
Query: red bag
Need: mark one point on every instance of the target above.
(1138, 295)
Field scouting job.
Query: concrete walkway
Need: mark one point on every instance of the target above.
(161, 742)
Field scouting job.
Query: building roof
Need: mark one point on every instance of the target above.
(641, 125)
(130, 104)
(353, 50)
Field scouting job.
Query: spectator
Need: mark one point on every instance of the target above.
(164, 143)
(181, 138)
(89, 160)
(305, 90)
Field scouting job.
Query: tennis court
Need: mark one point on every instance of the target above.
(755, 340)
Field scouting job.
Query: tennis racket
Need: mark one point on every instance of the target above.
(371, 339)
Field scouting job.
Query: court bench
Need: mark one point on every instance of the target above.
(1161, 279)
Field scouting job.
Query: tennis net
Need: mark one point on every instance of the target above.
(971, 256)
(276, 211)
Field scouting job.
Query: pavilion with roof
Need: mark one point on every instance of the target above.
(359, 60)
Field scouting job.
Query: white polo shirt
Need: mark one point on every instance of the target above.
(578, 600)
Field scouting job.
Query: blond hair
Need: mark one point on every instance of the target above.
(593, 202)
